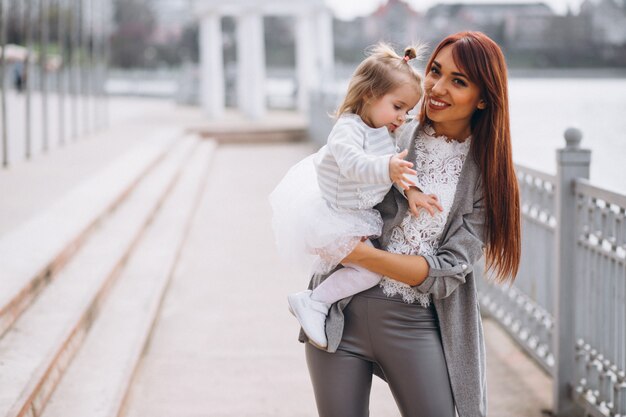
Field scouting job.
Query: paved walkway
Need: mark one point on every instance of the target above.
(225, 344)
(29, 186)
(35, 184)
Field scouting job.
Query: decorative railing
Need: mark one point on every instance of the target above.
(526, 309)
(600, 282)
(567, 308)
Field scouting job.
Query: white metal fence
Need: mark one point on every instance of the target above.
(567, 307)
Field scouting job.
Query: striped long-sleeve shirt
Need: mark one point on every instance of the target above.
(353, 167)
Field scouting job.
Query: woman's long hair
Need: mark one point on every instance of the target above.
(482, 61)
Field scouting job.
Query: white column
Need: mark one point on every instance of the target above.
(306, 51)
(326, 48)
(251, 64)
(212, 65)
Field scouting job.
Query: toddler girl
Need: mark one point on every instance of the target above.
(324, 205)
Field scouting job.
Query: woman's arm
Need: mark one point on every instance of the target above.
(456, 256)
(410, 269)
(439, 274)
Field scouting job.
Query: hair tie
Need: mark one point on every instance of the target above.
(406, 58)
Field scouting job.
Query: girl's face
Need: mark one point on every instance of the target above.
(391, 109)
(451, 98)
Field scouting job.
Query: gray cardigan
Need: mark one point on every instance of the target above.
(451, 283)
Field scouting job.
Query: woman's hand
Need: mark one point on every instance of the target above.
(398, 168)
(418, 199)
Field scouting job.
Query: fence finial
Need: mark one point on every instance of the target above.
(573, 136)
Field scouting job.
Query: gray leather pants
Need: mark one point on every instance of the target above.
(397, 341)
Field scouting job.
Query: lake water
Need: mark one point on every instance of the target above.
(542, 108)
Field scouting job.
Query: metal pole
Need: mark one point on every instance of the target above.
(88, 73)
(61, 73)
(87, 66)
(98, 44)
(92, 67)
(106, 55)
(81, 66)
(26, 76)
(72, 70)
(100, 62)
(43, 56)
(3, 99)
(572, 162)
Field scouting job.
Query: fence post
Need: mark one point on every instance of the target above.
(4, 132)
(572, 162)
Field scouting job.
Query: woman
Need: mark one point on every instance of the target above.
(420, 330)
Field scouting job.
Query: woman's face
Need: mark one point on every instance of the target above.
(451, 98)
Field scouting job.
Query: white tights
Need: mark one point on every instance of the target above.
(345, 282)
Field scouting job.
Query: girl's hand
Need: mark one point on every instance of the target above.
(398, 168)
(418, 199)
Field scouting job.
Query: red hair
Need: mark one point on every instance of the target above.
(481, 59)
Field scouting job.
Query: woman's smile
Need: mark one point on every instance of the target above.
(437, 104)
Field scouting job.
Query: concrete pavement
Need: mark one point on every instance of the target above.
(30, 186)
(224, 344)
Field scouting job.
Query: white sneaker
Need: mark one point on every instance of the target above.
(312, 316)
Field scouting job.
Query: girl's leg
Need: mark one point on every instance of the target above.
(347, 281)
(311, 307)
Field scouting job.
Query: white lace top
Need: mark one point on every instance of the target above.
(438, 165)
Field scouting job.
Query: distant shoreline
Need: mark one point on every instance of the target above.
(567, 72)
(344, 71)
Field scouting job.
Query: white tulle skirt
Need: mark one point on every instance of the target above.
(310, 233)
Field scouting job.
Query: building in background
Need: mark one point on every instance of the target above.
(394, 14)
(607, 19)
(532, 35)
(491, 19)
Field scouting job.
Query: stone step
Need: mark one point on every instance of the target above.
(98, 379)
(233, 127)
(32, 254)
(248, 136)
(37, 349)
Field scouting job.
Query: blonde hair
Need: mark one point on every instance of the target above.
(380, 73)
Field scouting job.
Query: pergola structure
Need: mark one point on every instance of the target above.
(314, 50)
